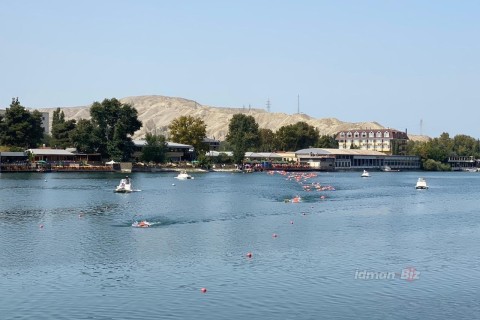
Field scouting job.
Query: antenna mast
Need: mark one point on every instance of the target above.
(298, 104)
(268, 105)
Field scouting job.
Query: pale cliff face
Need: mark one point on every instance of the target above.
(157, 112)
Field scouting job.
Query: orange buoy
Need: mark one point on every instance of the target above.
(203, 290)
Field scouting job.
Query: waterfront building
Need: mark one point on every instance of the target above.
(356, 159)
(176, 152)
(458, 163)
(213, 144)
(387, 141)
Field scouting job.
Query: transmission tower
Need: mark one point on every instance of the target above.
(268, 105)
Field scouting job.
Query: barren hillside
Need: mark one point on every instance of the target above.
(156, 113)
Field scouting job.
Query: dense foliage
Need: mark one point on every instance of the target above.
(243, 135)
(189, 130)
(435, 152)
(268, 141)
(114, 123)
(20, 127)
(297, 136)
(327, 141)
(61, 130)
(155, 149)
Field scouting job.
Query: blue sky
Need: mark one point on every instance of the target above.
(394, 62)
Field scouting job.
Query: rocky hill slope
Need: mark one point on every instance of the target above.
(157, 112)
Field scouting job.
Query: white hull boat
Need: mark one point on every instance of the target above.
(183, 176)
(125, 186)
(421, 184)
(365, 174)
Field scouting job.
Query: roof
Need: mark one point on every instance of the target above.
(50, 152)
(213, 153)
(142, 142)
(262, 155)
(12, 154)
(327, 151)
(210, 140)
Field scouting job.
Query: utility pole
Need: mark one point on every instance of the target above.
(268, 105)
(298, 104)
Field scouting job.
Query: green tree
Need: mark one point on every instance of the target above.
(189, 130)
(155, 150)
(464, 145)
(440, 148)
(21, 128)
(61, 130)
(85, 138)
(297, 136)
(327, 141)
(432, 165)
(242, 135)
(268, 141)
(114, 124)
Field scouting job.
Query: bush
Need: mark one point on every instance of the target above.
(432, 165)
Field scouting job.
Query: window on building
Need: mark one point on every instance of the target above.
(342, 134)
(379, 134)
(356, 134)
(387, 134)
(349, 135)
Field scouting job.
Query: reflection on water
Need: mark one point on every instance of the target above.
(67, 248)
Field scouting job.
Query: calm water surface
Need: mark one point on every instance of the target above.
(68, 251)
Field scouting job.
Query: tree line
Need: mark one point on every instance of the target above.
(435, 152)
(112, 124)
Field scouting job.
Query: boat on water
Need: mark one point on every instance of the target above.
(125, 186)
(141, 224)
(183, 175)
(365, 174)
(421, 184)
(388, 169)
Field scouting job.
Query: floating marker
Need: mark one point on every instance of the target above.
(291, 221)
(203, 290)
(249, 255)
(41, 226)
(274, 235)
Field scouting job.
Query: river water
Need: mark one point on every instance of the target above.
(373, 248)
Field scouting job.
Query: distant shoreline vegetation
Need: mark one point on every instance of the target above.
(111, 127)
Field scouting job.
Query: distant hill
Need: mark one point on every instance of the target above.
(157, 112)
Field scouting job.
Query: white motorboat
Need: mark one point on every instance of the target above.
(183, 175)
(125, 186)
(365, 174)
(388, 169)
(421, 184)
